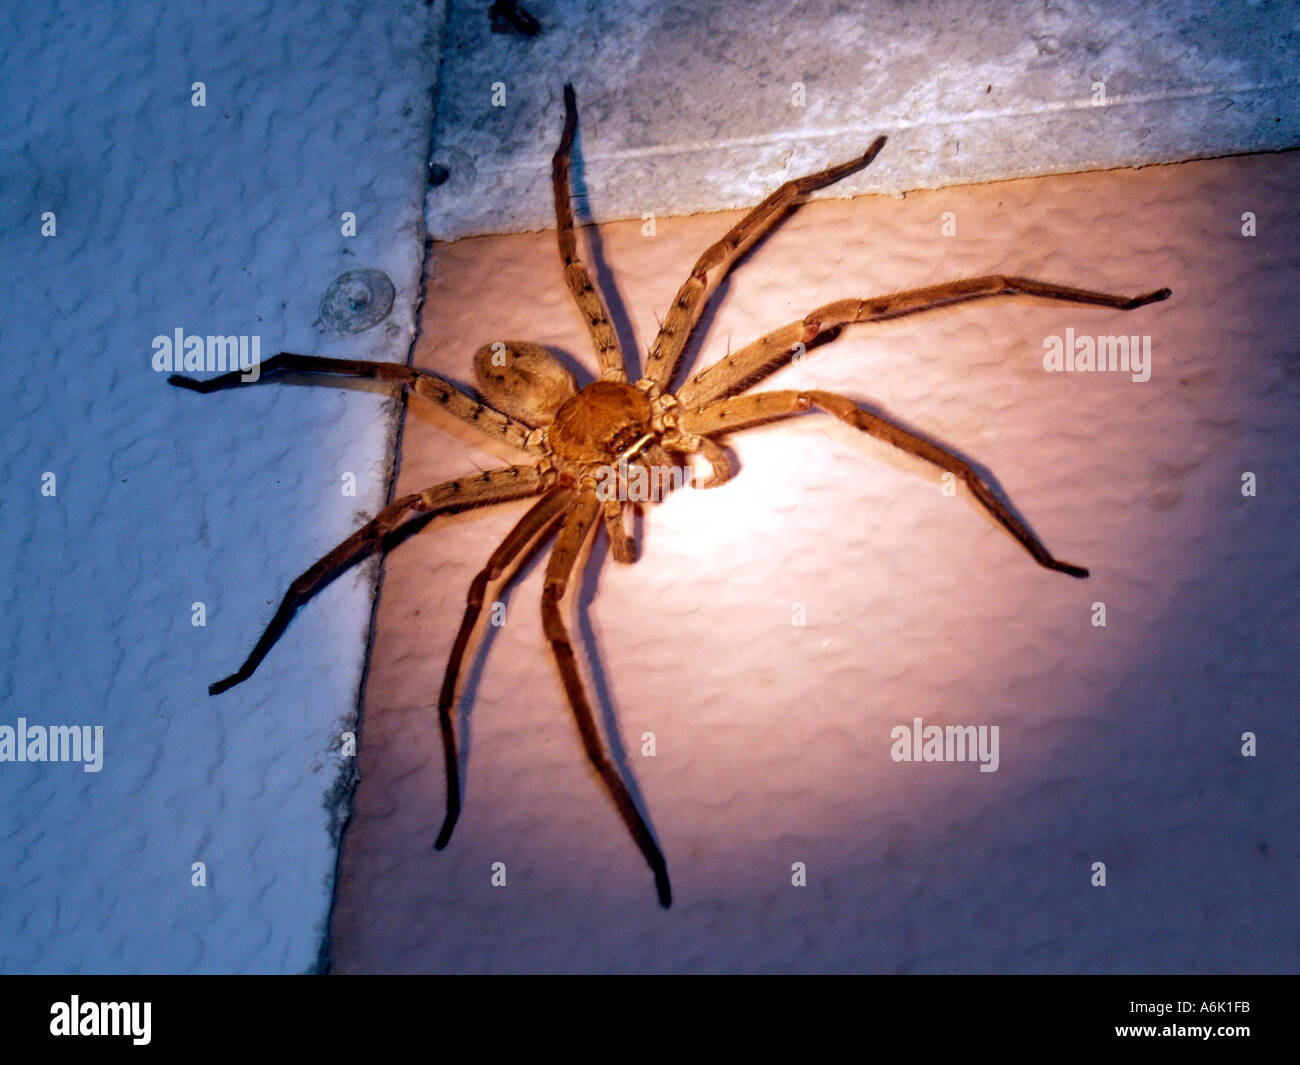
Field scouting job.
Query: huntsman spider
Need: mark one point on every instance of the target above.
(574, 436)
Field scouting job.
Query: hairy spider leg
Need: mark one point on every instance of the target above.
(457, 403)
(740, 412)
(747, 366)
(509, 482)
(609, 354)
(573, 534)
(528, 531)
(717, 260)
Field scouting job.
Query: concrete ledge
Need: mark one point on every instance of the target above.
(691, 108)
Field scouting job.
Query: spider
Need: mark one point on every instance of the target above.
(575, 436)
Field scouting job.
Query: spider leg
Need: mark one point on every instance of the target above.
(620, 543)
(577, 525)
(576, 276)
(717, 260)
(530, 527)
(509, 482)
(742, 411)
(764, 356)
(720, 471)
(422, 382)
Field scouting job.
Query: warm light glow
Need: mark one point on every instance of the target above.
(701, 470)
(778, 631)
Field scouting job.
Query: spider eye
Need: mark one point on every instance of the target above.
(624, 439)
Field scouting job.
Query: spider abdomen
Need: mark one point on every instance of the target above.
(600, 423)
(523, 380)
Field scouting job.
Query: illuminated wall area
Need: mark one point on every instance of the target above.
(777, 630)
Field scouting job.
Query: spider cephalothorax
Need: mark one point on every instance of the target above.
(600, 424)
(574, 438)
(596, 438)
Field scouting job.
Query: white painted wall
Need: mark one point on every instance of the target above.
(222, 219)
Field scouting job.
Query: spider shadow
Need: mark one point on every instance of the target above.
(584, 597)
(600, 268)
(477, 654)
(582, 373)
(473, 676)
(915, 463)
(322, 382)
(477, 657)
(691, 360)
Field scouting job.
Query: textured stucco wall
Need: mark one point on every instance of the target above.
(223, 219)
(1119, 744)
(693, 106)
